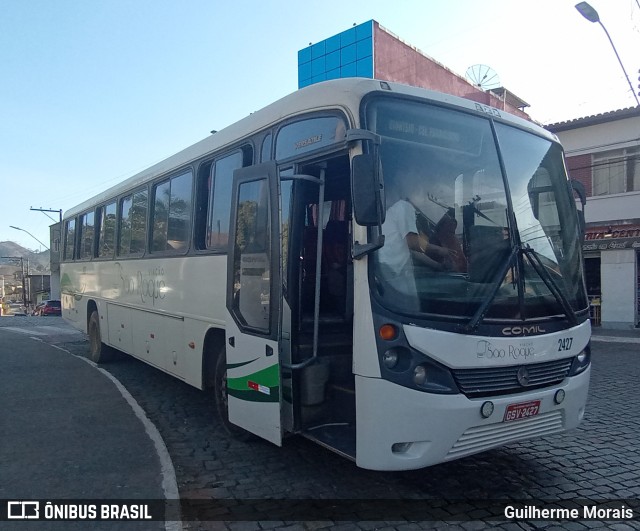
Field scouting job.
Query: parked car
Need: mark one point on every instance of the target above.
(52, 307)
(17, 310)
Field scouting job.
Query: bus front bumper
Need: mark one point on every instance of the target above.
(402, 429)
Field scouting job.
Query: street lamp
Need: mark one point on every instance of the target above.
(36, 239)
(591, 15)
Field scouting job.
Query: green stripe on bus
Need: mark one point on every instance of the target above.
(236, 365)
(261, 386)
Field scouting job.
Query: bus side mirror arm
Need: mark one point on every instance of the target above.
(360, 250)
(354, 135)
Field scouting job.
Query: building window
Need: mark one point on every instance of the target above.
(616, 172)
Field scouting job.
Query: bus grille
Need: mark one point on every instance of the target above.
(476, 383)
(481, 438)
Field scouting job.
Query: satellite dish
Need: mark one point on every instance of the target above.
(482, 76)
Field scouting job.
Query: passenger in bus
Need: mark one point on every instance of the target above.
(444, 235)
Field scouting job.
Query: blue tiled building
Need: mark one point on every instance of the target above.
(347, 54)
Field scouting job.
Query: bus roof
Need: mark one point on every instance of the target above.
(343, 94)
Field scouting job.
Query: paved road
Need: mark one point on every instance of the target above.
(67, 431)
(599, 461)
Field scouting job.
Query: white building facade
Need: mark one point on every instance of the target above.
(603, 153)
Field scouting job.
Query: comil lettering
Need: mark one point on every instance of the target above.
(523, 330)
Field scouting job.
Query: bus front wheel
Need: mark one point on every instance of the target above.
(221, 399)
(98, 351)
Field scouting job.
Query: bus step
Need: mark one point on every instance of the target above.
(338, 437)
(341, 342)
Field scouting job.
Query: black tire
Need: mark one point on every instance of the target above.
(98, 351)
(221, 399)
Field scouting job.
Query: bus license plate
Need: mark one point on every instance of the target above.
(522, 411)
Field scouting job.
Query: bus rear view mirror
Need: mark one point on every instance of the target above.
(578, 188)
(366, 190)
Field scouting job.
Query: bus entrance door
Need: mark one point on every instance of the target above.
(253, 304)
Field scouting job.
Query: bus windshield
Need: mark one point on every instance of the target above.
(479, 218)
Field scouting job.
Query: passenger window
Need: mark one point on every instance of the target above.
(220, 201)
(69, 239)
(125, 226)
(133, 224)
(138, 222)
(107, 236)
(86, 235)
(172, 214)
(265, 152)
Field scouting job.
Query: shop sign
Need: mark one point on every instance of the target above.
(611, 238)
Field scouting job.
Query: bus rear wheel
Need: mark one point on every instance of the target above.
(98, 351)
(221, 399)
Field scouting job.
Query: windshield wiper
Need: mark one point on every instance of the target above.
(536, 263)
(496, 283)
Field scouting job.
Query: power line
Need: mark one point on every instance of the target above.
(608, 162)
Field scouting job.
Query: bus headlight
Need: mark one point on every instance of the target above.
(390, 358)
(397, 359)
(403, 365)
(581, 361)
(420, 375)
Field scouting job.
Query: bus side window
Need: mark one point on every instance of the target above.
(265, 152)
(69, 240)
(86, 236)
(124, 220)
(107, 232)
(204, 182)
(217, 237)
(172, 214)
(138, 222)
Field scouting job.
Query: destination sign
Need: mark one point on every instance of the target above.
(431, 126)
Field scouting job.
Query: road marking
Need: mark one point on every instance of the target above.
(42, 331)
(26, 331)
(169, 482)
(57, 330)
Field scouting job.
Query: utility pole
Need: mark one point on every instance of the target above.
(43, 210)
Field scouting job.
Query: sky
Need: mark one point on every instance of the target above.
(94, 91)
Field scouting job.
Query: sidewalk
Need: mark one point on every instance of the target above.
(68, 430)
(631, 335)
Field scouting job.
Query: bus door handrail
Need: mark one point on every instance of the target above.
(320, 181)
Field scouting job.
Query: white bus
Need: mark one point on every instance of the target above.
(392, 272)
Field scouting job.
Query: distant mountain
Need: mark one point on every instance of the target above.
(38, 262)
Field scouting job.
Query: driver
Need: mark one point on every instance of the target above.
(405, 242)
